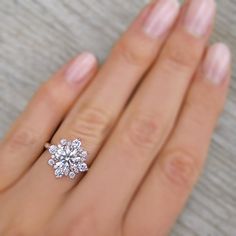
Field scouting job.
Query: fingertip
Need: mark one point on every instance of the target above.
(81, 67)
(217, 63)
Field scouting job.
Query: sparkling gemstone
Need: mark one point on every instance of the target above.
(82, 167)
(76, 159)
(63, 142)
(75, 169)
(67, 150)
(58, 172)
(51, 162)
(73, 153)
(57, 155)
(61, 152)
(84, 154)
(53, 149)
(76, 143)
(58, 164)
(72, 175)
(67, 171)
(82, 159)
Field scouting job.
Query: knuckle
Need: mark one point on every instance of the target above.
(180, 168)
(21, 138)
(179, 58)
(49, 96)
(46, 93)
(16, 230)
(132, 54)
(143, 131)
(210, 103)
(143, 228)
(200, 105)
(92, 123)
(82, 223)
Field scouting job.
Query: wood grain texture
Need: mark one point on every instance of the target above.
(37, 36)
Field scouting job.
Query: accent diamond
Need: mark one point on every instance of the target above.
(52, 149)
(76, 143)
(72, 175)
(51, 162)
(63, 142)
(82, 167)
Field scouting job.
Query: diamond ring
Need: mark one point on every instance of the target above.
(67, 158)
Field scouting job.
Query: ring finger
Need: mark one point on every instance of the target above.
(23, 144)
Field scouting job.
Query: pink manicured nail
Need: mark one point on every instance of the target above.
(161, 17)
(199, 16)
(80, 67)
(217, 63)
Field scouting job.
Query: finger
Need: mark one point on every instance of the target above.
(97, 110)
(166, 188)
(147, 121)
(23, 144)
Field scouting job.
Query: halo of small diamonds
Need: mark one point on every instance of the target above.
(68, 158)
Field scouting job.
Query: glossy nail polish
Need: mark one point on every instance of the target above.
(217, 63)
(199, 16)
(80, 67)
(161, 18)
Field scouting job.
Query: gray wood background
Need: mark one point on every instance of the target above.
(37, 36)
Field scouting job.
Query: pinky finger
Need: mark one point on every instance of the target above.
(169, 183)
(25, 141)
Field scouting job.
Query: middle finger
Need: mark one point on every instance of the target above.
(142, 130)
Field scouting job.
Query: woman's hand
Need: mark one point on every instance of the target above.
(146, 119)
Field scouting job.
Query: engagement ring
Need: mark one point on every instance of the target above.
(67, 158)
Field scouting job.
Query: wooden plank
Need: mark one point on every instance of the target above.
(37, 36)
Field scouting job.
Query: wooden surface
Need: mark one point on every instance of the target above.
(37, 36)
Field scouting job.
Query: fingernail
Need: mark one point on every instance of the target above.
(216, 64)
(199, 16)
(161, 17)
(80, 67)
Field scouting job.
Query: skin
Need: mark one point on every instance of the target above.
(146, 146)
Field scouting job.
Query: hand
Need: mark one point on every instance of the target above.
(146, 119)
